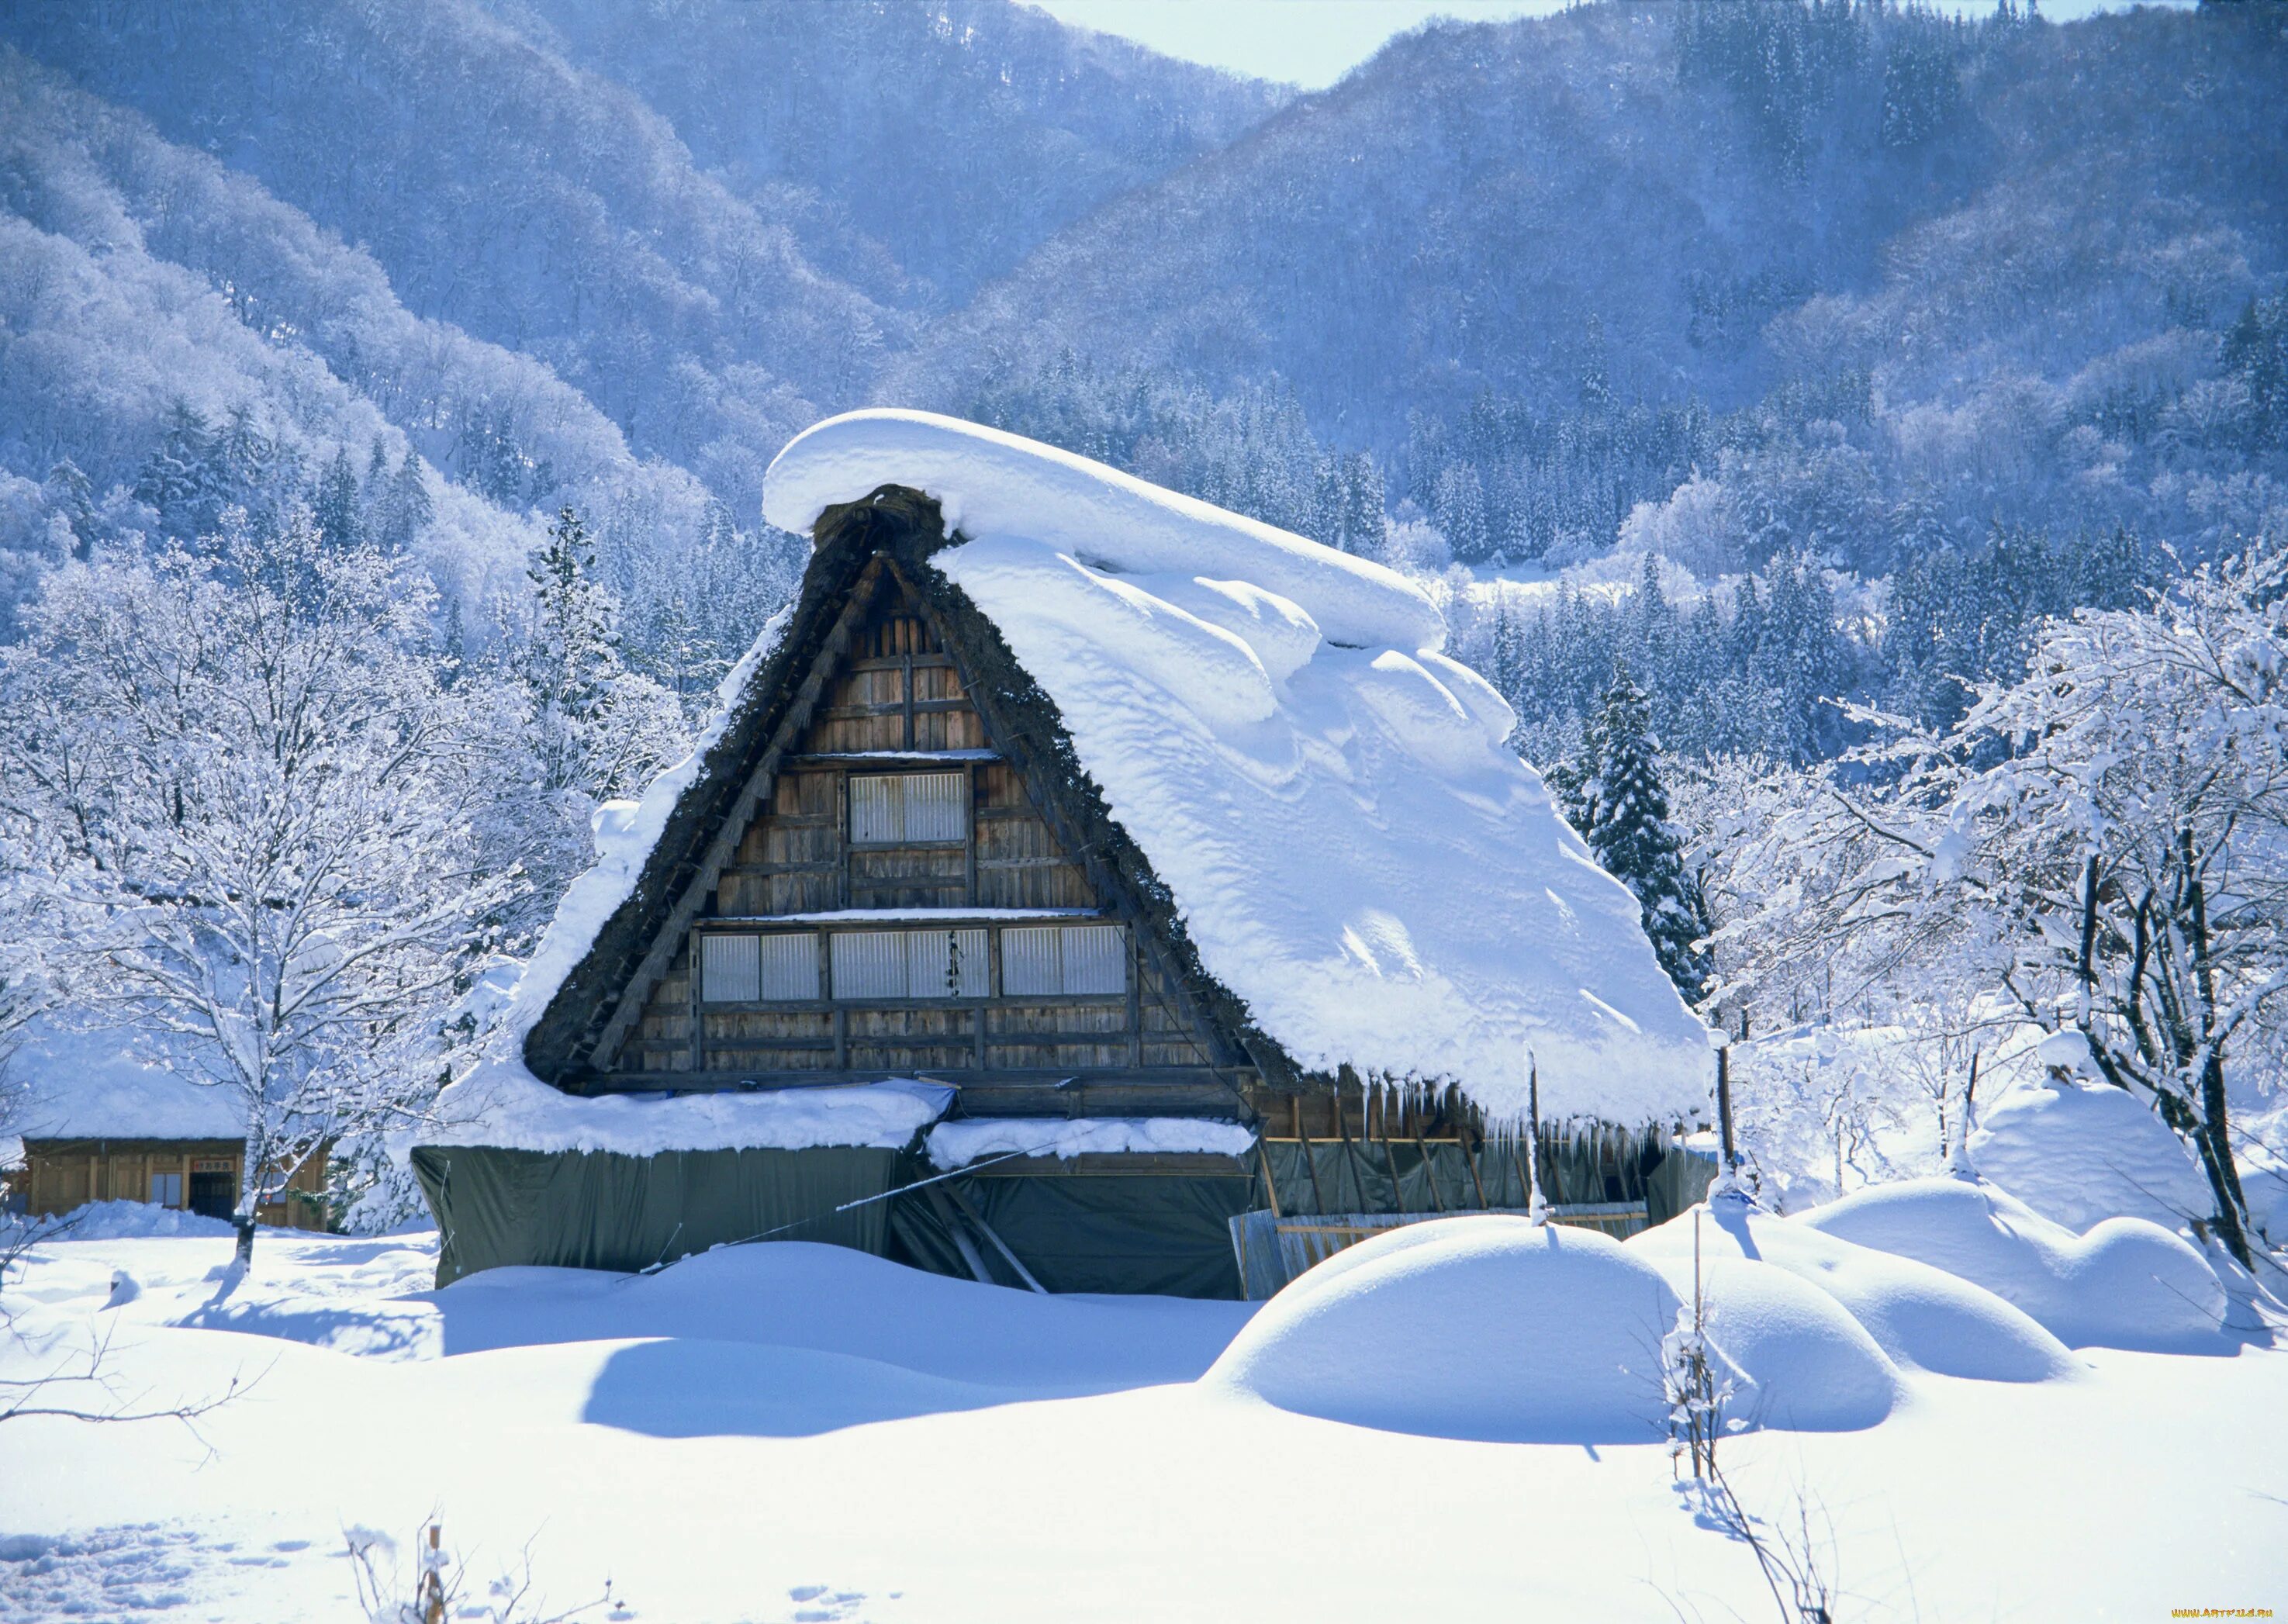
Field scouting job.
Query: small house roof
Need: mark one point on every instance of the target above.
(68, 1084)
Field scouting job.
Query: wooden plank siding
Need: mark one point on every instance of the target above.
(59, 1174)
(895, 702)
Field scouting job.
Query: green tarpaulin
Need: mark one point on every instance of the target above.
(596, 1210)
(1073, 1231)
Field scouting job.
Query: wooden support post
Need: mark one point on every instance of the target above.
(1389, 1156)
(1724, 1108)
(1310, 1161)
(953, 1193)
(1428, 1171)
(1270, 1189)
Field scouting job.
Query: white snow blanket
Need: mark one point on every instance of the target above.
(957, 1144)
(1921, 1316)
(97, 1085)
(1353, 849)
(505, 1108)
(2079, 1153)
(2126, 1284)
(1492, 1327)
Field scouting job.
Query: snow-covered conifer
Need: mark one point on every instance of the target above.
(1620, 806)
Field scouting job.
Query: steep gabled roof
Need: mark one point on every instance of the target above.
(1252, 742)
(1326, 801)
(619, 927)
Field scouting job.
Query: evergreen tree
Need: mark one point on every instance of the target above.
(1620, 807)
(404, 510)
(336, 506)
(178, 481)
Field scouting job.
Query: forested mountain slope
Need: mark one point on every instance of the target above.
(552, 210)
(1882, 278)
(943, 141)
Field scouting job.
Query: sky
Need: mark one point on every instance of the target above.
(1314, 43)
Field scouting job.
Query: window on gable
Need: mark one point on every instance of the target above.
(896, 809)
(759, 969)
(1064, 960)
(910, 964)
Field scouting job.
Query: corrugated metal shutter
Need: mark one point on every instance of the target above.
(1032, 960)
(729, 968)
(874, 810)
(790, 967)
(947, 964)
(888, 809)
(1096, 959)
(934, 805)
(869, 963)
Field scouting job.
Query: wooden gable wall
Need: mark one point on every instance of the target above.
(897, 703)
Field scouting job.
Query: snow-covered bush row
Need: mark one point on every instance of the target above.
(1495, 1327)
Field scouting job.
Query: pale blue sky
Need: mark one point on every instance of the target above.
(1314, 43)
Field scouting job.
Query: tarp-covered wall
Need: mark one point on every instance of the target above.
(1074, 1230)
(1089, 1231)
(1370, 1176)
(599, 1210)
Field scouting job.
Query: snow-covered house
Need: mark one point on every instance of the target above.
(1152, 864)
(100, 1119)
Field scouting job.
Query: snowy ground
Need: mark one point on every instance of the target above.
(795, 1432)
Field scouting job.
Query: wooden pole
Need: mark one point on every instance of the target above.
(1724, 1108)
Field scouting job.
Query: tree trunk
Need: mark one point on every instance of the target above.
(245, 1222)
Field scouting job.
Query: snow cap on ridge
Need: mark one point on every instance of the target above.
(992, 484)
(1353, 851)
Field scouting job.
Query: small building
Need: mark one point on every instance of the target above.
(100, 1122)
(1145, 866)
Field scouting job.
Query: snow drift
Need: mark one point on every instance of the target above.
(1495, 1328)
(1353, 849)
(2126, 1284)
(2079, 1153)
(1918, 1315)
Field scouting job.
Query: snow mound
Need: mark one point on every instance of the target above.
(1918, 1315)
(132, 1221)
(2126, 1284)
(504, 1106)
(2079, 1153)
(1307, 774)
(1799, 1361)
(1489, 1328)
(2264, 1181)
(957, 1144)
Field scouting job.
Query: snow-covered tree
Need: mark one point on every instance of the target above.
(1620, 806)
(252, 809)
(2100, 846)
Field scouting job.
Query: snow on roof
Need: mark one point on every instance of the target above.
(503, 1106)
(957, 1144)
(1355, 850)
(107, 1085)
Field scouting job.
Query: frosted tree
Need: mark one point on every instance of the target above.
(1620, 806)
(2100, 846)
(252, 809)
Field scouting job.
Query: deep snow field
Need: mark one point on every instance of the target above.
(791, 1431)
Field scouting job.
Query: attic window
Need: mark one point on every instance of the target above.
(910, 964)
(781, 969)
(1064, 961)
(899, 808)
